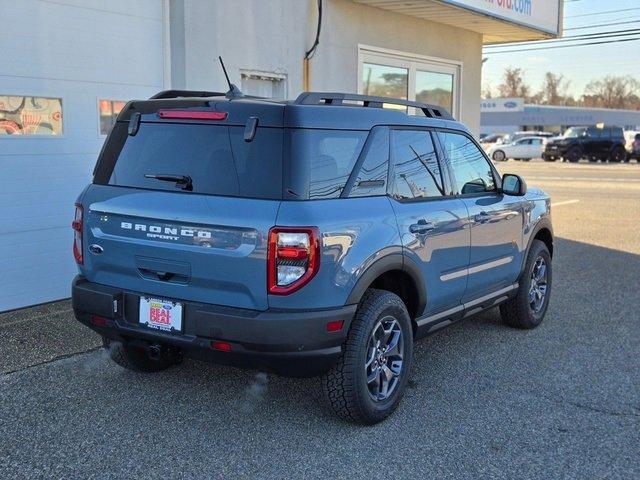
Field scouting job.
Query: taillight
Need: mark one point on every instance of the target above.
(77, 234)
(293, 258)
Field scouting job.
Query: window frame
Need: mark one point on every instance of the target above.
(39, 135)
(444, 171)
(355, 172)
(497, 179)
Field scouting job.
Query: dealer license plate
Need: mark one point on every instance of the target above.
(161, 314)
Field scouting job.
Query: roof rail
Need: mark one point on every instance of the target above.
(184, 93)
(336, 98)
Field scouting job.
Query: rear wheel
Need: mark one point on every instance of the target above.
(499, 156)
(370, 377)
(529, 306)
(135, 358)
(618, 154)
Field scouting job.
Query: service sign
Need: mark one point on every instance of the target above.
(502, 105)
(538, 14)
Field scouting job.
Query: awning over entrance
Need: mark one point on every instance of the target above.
(498, 20)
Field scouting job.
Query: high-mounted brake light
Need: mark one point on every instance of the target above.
(293, 258)
(77, 234)
(192, 114)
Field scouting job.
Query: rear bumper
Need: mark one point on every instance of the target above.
(290, 343)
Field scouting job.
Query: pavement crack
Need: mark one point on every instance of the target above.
(604, 411)
(52, 360)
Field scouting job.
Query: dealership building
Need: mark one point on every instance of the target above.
(508, 115)
(68, 67)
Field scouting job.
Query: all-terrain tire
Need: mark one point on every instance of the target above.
(134, 358)
(517, 312)
(345, 385)
(574, 154)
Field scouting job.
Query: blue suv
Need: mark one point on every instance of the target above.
(320, 236)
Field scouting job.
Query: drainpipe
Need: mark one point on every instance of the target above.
(306, 61)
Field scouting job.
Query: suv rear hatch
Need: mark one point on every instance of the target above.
(181, 208)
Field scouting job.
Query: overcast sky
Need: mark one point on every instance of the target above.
(580, 64)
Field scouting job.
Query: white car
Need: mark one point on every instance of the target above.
(524, 148)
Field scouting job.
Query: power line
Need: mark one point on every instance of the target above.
(596, 25)
(604, 42)
(602, 13)
(573, 38)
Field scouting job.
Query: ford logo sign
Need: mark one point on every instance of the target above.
(510, 104)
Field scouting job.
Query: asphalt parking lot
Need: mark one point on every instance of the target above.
(485, 401)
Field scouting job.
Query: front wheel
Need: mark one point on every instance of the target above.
(529, 306)
(499, 156)
(369, 379)
(574, 154)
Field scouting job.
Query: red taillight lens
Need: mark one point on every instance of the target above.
(293, 258)
(77, 234)
(192, 114)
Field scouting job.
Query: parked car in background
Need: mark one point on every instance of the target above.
(491, 139)
(512, 137)
(525, 149)
(596, 142)
(632, 145)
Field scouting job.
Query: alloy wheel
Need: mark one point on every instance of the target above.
(538, 288)
(383, 364)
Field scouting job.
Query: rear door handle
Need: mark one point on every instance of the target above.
(421, 227)
(482, 217)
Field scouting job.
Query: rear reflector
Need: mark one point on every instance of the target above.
(335, 326)
(222, 346)
(192, 114)
(99, 321)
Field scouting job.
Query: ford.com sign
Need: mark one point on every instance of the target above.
(539, 14)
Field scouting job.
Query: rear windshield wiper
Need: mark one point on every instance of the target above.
(183, 181)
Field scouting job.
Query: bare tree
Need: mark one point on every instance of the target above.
(513, 84)
(612, 92)
(554, 89)
(487, 91)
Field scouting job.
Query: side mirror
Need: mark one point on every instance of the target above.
(513, 185)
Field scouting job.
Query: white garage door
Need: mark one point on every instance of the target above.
(66, 66)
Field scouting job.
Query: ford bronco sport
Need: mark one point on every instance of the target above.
(595, 143)
(319, 236)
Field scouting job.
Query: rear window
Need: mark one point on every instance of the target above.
(322, 160)
(216, 157)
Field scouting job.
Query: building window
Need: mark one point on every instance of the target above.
(435, 88)
(385, 81)
(22, 115)
(386, 73)
(263, 84)
(109, 110)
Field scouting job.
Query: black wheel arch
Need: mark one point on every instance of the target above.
(387, 264)
(542, 231)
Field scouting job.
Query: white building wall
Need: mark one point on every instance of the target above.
(79, 50)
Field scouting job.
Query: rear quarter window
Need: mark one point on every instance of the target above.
(216, 158)
(322, 160)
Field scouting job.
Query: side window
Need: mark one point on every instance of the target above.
(594, 132)
(536, 141)
(372, 177)
(416, 170)
(471, 170)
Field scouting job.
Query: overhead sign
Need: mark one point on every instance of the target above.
(502, 105)
(541, 15)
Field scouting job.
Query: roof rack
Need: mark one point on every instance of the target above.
(336, 98)
(184, 93)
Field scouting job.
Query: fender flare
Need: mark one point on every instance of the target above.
(395, 260)
(542, 223)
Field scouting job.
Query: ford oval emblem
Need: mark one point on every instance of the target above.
(96, 249)
(510, 104)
